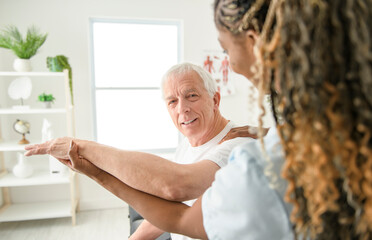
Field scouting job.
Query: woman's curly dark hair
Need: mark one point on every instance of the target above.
(320, 55)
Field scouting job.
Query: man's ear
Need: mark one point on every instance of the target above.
(217, 99)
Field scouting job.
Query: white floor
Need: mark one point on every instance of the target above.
(110, 224)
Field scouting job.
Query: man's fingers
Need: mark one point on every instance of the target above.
(38, 145)
(28, 153)
(36, 149)
(31, 146)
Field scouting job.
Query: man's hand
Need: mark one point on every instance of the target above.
(66, 151)
(245, 131)
(58, 148)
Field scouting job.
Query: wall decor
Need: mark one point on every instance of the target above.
(217, 63)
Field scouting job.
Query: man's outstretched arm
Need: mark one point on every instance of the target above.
(142, 171)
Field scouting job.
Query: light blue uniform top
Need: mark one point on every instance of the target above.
(241, 203)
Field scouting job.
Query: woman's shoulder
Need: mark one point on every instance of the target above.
(241, 190)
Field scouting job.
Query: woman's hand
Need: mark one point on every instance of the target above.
(245, 131)
(80, 164)
(58, 148)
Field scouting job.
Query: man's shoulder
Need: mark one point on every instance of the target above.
(236, 141)
(220, 152)
(223, 133)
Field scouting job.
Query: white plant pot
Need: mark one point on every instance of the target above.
(22, 65)
(47, 104)
(22, 169)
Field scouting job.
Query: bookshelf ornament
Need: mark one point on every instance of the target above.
(22, 127)
(20, 88)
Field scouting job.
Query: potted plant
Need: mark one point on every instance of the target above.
(58, 64)
(47, 99)
(23, 48)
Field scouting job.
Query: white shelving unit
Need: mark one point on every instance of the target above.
(32, 211)
(32, 111)
(10, 211)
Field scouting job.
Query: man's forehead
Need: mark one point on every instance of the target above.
(185, 80)
(183, 83)
(182, 90)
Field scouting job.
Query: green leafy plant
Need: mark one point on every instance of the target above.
(24, 48)
(58, 64)
(46, 97)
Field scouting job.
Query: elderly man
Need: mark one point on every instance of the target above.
(193, 103)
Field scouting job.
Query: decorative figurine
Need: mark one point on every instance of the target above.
(22, 127)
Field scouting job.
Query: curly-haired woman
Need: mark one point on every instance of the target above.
(314, 57)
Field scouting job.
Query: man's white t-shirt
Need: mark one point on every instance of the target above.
(211, 150)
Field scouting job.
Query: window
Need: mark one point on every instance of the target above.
(129, 60)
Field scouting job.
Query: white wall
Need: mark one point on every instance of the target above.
(67, 25)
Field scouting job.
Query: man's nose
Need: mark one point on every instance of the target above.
(183, 106)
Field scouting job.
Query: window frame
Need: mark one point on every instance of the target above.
(92, 21)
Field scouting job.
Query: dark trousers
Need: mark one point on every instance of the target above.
(135, 220)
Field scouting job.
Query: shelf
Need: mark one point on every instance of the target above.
(37, 210)
(31, 74)
(4, 111)
(14, 146)
(37, 178)
(20, 208)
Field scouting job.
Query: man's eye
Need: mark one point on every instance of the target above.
(171, 102)
(193, 95)
(225, 51)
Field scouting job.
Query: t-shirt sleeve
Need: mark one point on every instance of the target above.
(221, 153)
(241, 205)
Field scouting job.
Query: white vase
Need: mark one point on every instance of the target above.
(22, 65)
(22, 169)
(47, 104)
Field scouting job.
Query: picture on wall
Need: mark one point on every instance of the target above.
(217, 63)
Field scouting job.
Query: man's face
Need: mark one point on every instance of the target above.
(191, 108)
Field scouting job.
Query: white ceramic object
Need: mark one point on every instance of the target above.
(20, 88)
(47, 104)
(56, 168)
(21, 107)
(46, 132)
(22, 169)
(22, 65)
